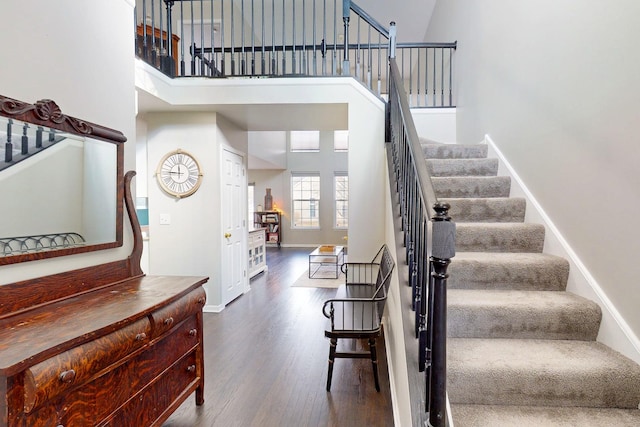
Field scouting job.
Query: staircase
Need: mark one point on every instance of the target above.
(521, 350)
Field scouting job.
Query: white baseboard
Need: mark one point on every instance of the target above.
(614, 330)
(392, 384)
(209, 308)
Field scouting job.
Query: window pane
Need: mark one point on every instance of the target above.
(341, 197)
(305, 196)
(305, 140)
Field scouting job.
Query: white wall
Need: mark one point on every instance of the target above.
(188, 246)
(59, 50)
(435, 124)
(365, 113)
(555, 85)
(53, 201)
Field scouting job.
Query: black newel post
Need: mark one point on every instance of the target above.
(443, 249)
(8, 146)
(39, 137)
(24, 149)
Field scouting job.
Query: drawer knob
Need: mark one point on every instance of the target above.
(191, 368)
(168, 321)
(201, 300)
(193, 332)
(68, 376)
(141, 336)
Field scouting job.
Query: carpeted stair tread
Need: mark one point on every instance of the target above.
(540, 373)
(463, 167)
(454, 151)
(542, 416)
(499, 237)
(521, 314)
(489, 209)
(471, 186)
(518, 271)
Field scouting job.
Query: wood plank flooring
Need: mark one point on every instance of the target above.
(266, 361)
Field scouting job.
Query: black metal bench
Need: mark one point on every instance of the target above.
(356, 311)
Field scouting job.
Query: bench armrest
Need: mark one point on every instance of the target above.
(352, 314)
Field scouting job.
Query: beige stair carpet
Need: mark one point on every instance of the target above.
(521, 350)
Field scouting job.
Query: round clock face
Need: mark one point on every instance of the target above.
(179, 174)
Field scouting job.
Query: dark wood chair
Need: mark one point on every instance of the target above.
(356, 311)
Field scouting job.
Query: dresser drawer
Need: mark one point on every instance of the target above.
(72, 409)
(74, 367)
(167, 317)
(116, 387)
(150, 405)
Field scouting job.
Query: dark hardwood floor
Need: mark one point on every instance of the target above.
(266, 361)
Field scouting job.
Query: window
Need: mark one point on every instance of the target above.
(305, 200)
(341, 197)
(305, 141)
(341, 141)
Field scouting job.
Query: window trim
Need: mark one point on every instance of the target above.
(294, 199)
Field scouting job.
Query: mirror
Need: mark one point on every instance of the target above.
(62, 180)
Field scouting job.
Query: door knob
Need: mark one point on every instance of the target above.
(227, 235)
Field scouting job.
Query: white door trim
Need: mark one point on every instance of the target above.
(242, 208)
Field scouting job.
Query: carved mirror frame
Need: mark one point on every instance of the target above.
(47, 113)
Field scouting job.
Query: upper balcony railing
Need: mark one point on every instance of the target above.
(272, 38)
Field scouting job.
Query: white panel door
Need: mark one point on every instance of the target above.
(233, 226)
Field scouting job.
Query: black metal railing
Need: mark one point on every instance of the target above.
(21, 140)
(258, 38)
(429, 240)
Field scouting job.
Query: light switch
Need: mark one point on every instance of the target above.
(165, 219)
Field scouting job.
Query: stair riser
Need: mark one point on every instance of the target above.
(455, 151)
(499, 237)
(597, 392)
(559, 323)
(468, 187)
(486, 209)
(462, 167)
(544, 276)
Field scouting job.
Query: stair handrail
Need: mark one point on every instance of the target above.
(424, 219)
(369, 19)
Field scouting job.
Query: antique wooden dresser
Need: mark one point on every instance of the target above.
(101, 345)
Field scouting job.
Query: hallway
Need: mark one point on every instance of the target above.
(266, 361)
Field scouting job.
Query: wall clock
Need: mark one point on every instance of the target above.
(179, 174)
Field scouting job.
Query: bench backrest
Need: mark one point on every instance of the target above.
(383, 281)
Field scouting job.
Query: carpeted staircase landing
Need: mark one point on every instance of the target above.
(521, 350)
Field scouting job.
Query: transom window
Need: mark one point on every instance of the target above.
(305, 199)
(340, 140)
(305, 141)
